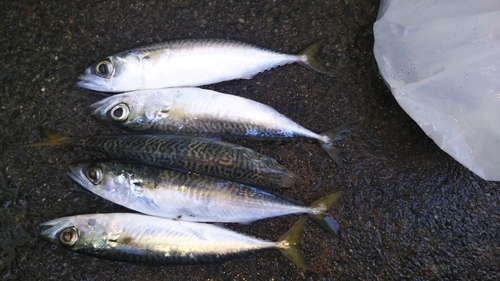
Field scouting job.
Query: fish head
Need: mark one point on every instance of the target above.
(117, 73)
(276, 172)
(136, 111)
(74, 233)
(279, 174)
(109, 180)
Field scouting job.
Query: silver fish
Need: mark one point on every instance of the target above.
(187, 63)
(199, 155)
(188, 196)
(199, 112)
(153, 240)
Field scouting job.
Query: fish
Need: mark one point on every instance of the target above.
(200, 112)
(188, 196)
(152, 240)
(200, 155)
(187, 63)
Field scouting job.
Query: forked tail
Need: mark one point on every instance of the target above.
(308, 57)
(288, 244)
(327, 145)
(54, 139)
(320, 210)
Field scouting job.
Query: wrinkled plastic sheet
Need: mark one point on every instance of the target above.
(441, 60)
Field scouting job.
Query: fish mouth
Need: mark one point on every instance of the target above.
(54, 227)
(98, 104)
(76, 173)
(102, 107)
(92, 82)
(86, 84)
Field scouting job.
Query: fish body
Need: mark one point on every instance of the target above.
(152, 240)
(187, 196)
(200, 155)
(200, 112)
(185, 63)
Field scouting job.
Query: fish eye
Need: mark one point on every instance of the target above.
(68, 236)
(120, 112)
(105, 69)
(94, 174)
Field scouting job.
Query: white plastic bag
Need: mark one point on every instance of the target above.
(441, 59)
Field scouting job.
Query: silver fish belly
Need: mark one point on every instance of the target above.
(188, 196)
(199, 112)
(187, 63)
(153, 240)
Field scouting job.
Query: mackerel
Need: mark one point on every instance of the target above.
(152, 240)
(188, 63)
(200, 155)
(188, 196)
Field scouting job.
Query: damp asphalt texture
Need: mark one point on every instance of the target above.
(409, 211)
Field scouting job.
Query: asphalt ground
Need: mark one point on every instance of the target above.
(409, 211)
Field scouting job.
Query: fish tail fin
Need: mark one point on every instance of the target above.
(308, 57)
(330, 135)
(288, 244)
(54, 139)
(320, 209)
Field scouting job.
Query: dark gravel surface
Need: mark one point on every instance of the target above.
(409, 211)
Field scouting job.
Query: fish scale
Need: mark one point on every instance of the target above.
(185, 45)
(206, 157)
(227, 128)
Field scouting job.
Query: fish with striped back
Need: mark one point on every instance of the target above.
(200, 155)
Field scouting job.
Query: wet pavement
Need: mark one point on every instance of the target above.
(409, 211)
